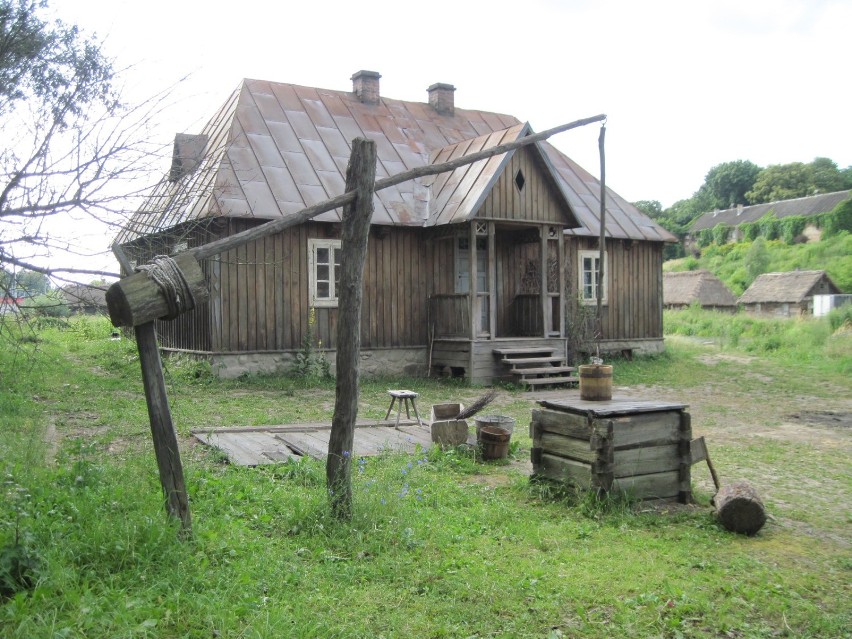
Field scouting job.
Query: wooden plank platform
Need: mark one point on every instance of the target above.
(614, 406)
(259, 445)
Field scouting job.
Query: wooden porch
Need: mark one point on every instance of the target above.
(485, 361)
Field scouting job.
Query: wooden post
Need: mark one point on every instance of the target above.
(684, 451)
(602, 238)
(162, 428)
(563, 285)
(360, 177)
(492, 280)
(544, 298)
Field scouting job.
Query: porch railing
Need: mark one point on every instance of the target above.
(449, 315)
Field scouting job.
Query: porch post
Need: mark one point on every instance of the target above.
(544, 297)
(562, 282)
(474, 319)
(492, 280)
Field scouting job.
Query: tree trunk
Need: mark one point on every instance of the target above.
(739, 508)
(360, 177)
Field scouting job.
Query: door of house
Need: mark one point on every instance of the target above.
(463, 275)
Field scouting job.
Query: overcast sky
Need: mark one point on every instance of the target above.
(686, 85)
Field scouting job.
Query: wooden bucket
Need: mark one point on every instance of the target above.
(494, 442)
(596, 382)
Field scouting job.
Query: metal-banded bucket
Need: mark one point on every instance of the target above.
(499, 421)
(494, 442)
(596, 382)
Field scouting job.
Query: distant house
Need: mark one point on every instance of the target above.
(10, 305)
(803, 206)
(462, 269)
(85, 300)
(685, 288)
(787, 294)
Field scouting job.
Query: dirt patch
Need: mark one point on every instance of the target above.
(823, 418)
(715, 358)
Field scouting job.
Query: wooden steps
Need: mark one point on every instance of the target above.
(525, 361)
(552, 381)
(534, 367)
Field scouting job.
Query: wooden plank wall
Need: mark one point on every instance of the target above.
(263, 291)
(538, 201)
(635, 307)
(189, 331)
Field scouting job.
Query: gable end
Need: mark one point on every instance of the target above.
(525, 191)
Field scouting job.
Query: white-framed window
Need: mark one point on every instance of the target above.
(588, 272)
(324, 270)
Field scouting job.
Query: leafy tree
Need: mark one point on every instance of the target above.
(797, 179)
(756, 260)
(782, 182)
(728, 182)
(32, 283)
(826, 177)
(651, 208)
(846, 178)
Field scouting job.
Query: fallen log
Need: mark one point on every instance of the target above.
(739, 508)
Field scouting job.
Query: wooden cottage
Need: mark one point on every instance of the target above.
(684, 288)
(787, 294)
(463, 268)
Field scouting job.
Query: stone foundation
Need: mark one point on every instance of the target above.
(407, 362)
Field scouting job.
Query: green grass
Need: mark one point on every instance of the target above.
(440, 545)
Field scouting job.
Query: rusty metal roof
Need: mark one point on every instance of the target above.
(273, 149)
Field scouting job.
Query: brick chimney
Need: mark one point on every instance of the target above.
(186, 155)
(365, 86)
(441, 98)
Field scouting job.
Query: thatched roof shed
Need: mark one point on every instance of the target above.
(781, 293)
(687, 287)
(82, 298)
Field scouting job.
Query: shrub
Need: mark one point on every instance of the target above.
(838, 220)
(690, 263)
(721, 233)
(704, 237)
(792, 227)
(51, 304)
(749, 230)
(839, 317)
(769, 226)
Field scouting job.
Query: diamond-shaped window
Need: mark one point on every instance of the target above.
(519, 180)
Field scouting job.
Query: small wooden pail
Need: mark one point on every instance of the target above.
(596, 382)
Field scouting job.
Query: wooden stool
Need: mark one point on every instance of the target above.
(398, 397)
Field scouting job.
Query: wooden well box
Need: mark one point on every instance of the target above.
(641, 448)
